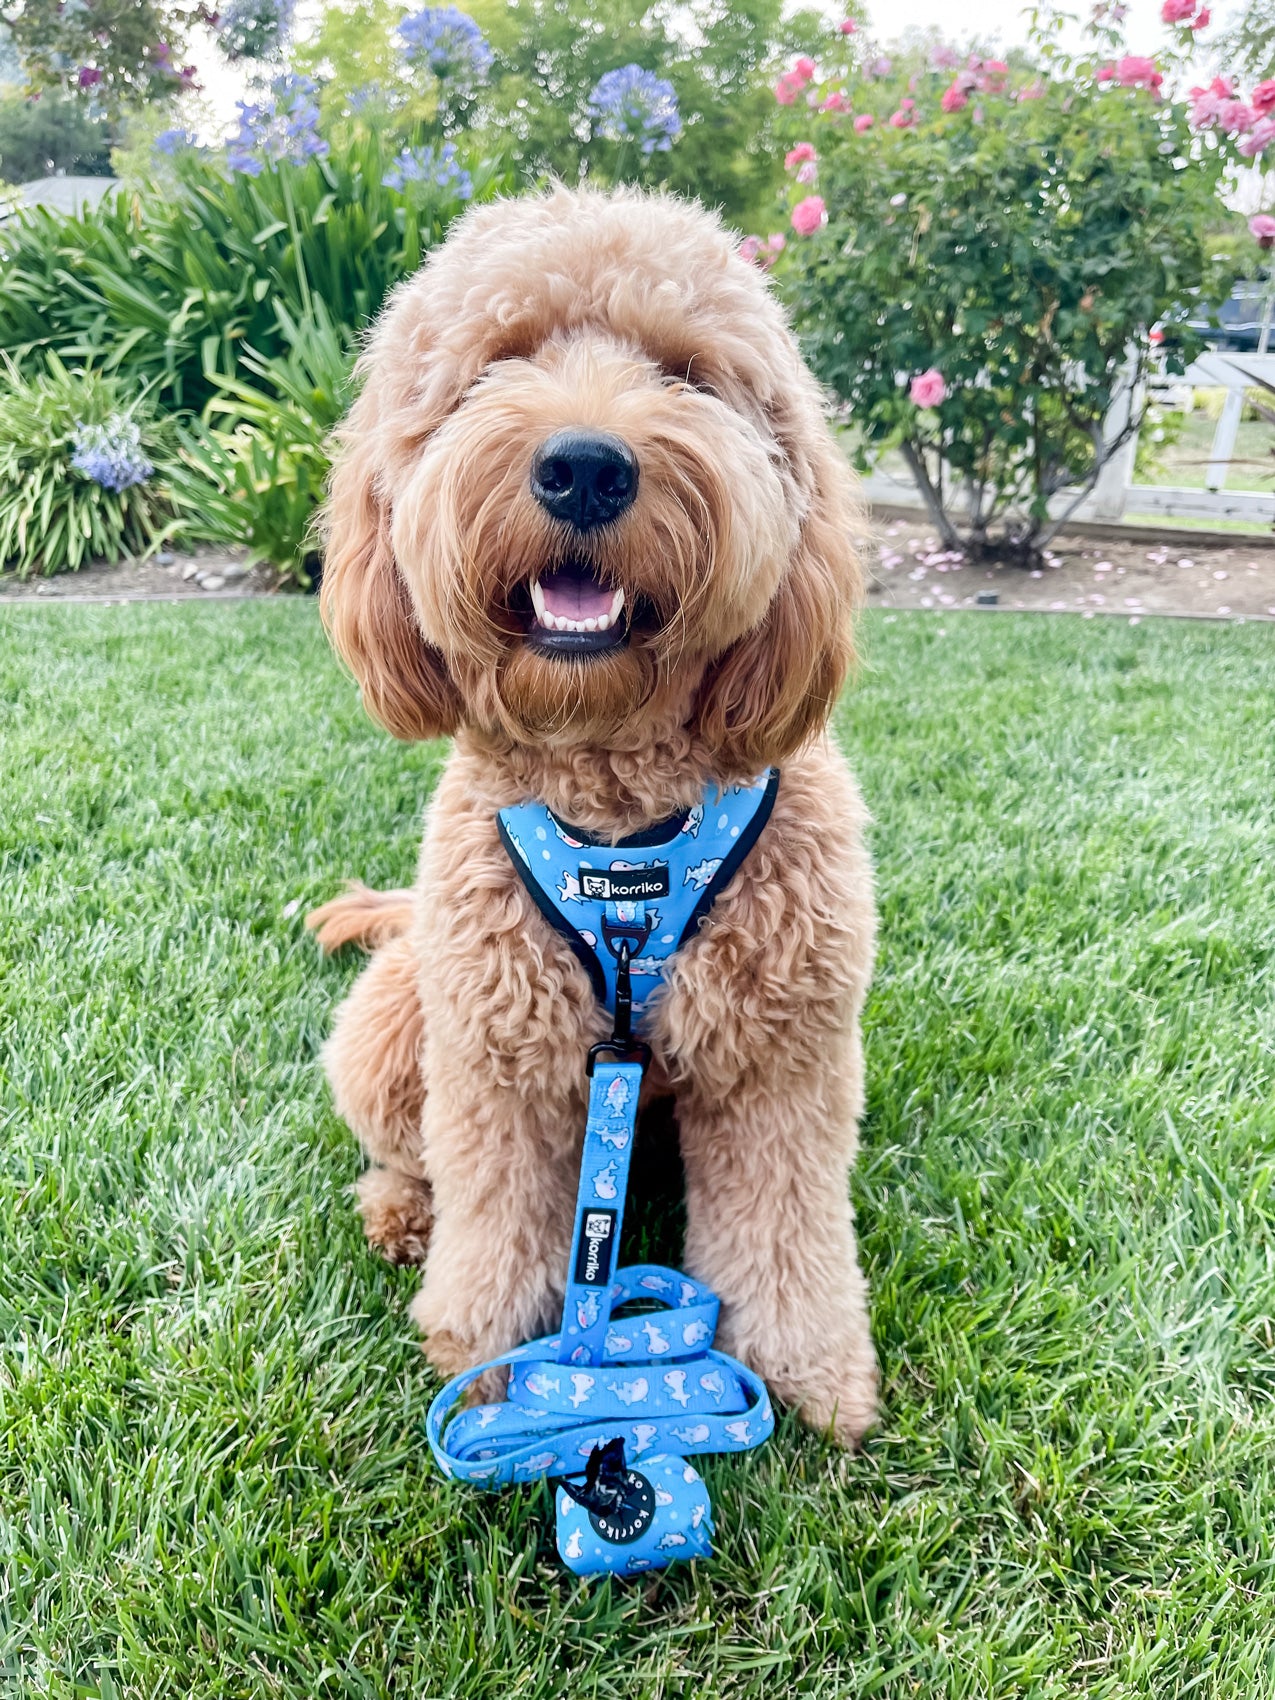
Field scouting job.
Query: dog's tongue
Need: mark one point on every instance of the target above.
(572, 595)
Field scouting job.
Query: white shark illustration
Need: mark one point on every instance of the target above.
(696, 1435)
(560, 832)
(672, 1539)
(615, 1137)
(487, 1414)
(740, 1431)
(587, 1310)
(541, 1386)
(694, 1332)
(713, 1383)
(617, 1343)
(690, 1292)
(700, 875)
(643, 1435)
(575, 1544)
(517, 846)
(698, 1513)
(675, 1381)
(655, 1341)
(569, 891)
(694, 820)
(581, 1387)
(656, 1284)
(632, 1392)
(617, 1095)
(604, 1182)
(662, 1496)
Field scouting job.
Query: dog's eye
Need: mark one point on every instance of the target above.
(688, 378)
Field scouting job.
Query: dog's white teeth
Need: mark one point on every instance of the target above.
(591, 626)
(538, 603)
(617, 608)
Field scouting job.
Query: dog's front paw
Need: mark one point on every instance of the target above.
(842, 1407)
(397, 1213)
(834, 1393)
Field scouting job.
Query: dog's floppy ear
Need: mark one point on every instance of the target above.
(365, 604)
(776, 685)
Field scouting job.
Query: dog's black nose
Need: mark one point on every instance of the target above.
(584, 477)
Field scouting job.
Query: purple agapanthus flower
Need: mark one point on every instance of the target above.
(437, 170)
(111, 453)
(448, 41)
(254, 29)
(281, 129)
(633, 105)
(172, 142)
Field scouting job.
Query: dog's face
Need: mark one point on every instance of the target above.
(588, 479)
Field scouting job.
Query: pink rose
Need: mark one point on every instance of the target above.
(1234, 117)
(1105, 73)
(863, 122)
(808, 215)
(808, 172)
(799, 155)
(902, 119)
(954, 98)
(787, 89)
(1133, 71)
(1176, 11)
(928, 388)
(1261, 138)
(1263, 229)
(836, 102)
(1033, 91)
(750, 247)
(1204, 20)
(776, 241)
(880, 67)
(1263, 97)
(803, 68)
(847, 26)
(89, 77)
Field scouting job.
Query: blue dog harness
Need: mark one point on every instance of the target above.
(632, 1373)
(650, 891)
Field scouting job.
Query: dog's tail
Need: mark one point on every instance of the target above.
(361, 916)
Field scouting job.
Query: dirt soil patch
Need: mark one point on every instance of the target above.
(167, 576)
(909, 568)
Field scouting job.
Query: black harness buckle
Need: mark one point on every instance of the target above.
(622, 1045)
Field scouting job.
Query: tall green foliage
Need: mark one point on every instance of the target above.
(172, 286)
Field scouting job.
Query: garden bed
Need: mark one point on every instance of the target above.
(166, 576)
(1129, 576)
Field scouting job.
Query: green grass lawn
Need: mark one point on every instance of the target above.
(212, 1480)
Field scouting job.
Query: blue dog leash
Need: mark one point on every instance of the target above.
(619, 1396)
(607, 1389)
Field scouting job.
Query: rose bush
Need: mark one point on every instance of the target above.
(987, 253)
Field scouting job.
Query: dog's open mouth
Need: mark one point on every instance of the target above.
(573, 613)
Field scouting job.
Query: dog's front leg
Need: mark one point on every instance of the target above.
(770, 1228)
(503, 1134)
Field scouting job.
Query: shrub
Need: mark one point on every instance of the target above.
(979, 271)
(258, 479)
(77, 458)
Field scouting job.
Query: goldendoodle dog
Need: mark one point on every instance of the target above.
(586, 516)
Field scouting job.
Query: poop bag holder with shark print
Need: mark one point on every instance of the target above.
(613, 1405)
